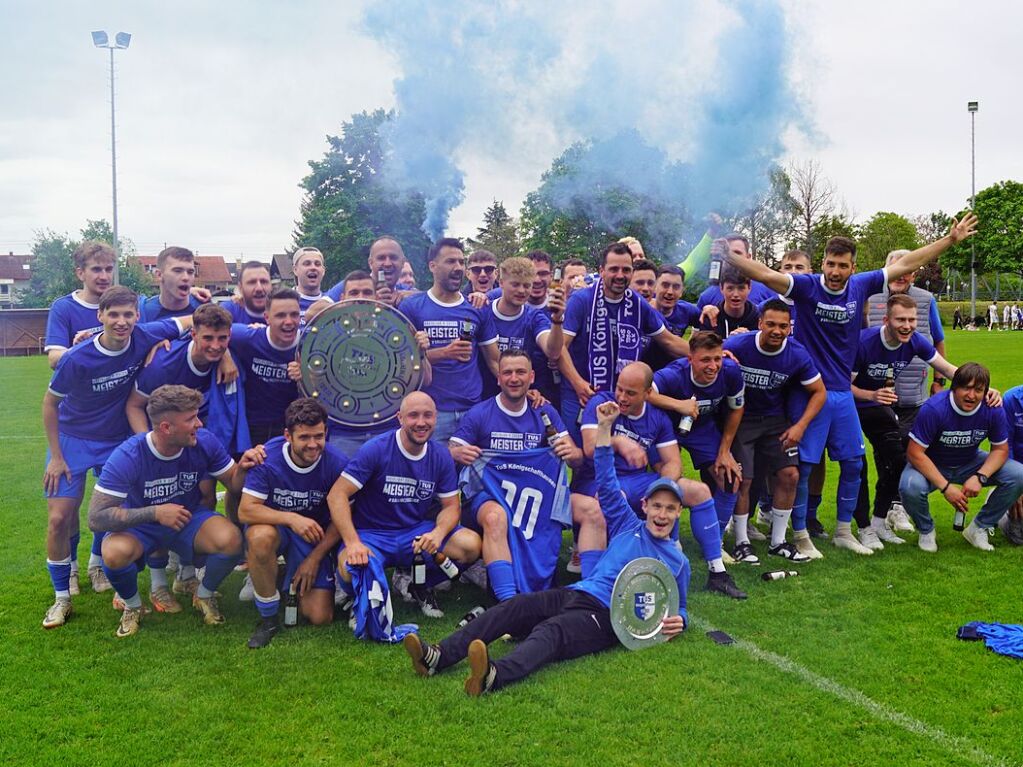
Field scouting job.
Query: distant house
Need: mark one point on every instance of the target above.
(280, 269)
(210, 272)
(15, 275)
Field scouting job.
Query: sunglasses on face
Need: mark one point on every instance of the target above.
(478, 270)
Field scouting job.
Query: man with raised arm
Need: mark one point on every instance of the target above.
(830, 309)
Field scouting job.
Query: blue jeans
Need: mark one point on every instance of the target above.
(447, 424)
(1007, 484)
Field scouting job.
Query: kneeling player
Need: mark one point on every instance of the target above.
(284, 508)
(565, 623)
(149, 499)
(398, 477)
(507, 423)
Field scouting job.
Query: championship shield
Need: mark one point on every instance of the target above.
(644, 594)
(360, 359)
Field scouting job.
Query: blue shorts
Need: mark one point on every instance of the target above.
(80, 456)
(633, 485)
(394, 547)
(295, 549)
(154, 537)
(836, 427)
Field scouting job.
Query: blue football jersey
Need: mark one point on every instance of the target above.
(68, 316)
(151, 310)
(491, 426)
(176, 367)
(397, 490)
(652, 429)
(241, 315)
(875, 359)
(952, 436)
(519, 331)
(768, 376)
(304, 301)
(268, 390)
(1012, 407)
(283, 486)
(727, 390)
(94, 382)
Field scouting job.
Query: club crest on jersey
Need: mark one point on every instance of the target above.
(644, 605)
(187, 480)
(628, 337)
(425, 489)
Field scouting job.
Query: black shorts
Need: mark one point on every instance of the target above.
(261, 433)
(757, 449)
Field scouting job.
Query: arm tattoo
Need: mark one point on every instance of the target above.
(107, 515)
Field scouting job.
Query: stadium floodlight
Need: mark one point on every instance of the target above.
(121, 42)
(971, 107)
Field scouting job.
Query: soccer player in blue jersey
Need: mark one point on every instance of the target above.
(84, 420)
(395, 480)
(883, 354)
(1011, 524)
(284, 510)
(387, 259)
(459, 335)
(175, 271)
(603, 331)
(254, 286)
(508, 423)
(148, 499)
(830, 308)
(308, 267)
(266, 357)
(709, 389)
(738, 247)
(678, 315)
(766, 444)
(75, 312)
(520, 325)
(570, 622)
(944, 454)
(736, 313)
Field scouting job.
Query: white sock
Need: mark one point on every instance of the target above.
(843, 528)
(877, 523)
(74, 567)
(779, 525)
(95, 560)
(716, 565)
(186, 572)
(157, 578)
(135, 602)
(739, 527)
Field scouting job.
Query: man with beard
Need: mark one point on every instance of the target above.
(254, 286)
(386, 259)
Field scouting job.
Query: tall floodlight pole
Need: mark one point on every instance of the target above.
(971, 107)
(121, 42)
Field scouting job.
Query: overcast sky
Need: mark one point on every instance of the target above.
(221, 106)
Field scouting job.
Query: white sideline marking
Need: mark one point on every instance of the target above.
(952, 743)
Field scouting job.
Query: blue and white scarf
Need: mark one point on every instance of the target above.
(613, 343)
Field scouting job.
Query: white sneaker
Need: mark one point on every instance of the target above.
(804, 545)
(887, 535)
(978, 536)
(899, 520)
(844, 539)
(929, 542)
(248, 593)
(869, 538)
(754, 533)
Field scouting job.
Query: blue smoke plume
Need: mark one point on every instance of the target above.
(682, 102)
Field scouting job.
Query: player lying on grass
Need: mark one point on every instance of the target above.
(559, 624)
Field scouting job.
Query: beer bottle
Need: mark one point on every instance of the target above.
(291, 607)
(472, 615)
(685, 425)
(381, 279)
(717, 250)
(548, 429)
(418, 568)
(777, 575)
(959, 520)
(444, 563)
(465, 331)
(889, 377)
(556, 279)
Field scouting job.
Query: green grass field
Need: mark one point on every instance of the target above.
(855, 662)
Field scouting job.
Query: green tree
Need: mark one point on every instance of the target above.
(824, 228)
(999, 238)
(879, 235)
(498, 233)
(577, 210)
(346, 205)
(771, 216)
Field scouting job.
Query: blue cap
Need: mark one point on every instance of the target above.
(663, 483)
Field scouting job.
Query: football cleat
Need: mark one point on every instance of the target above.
(844, 539)
(58, 614)
(209, 609)
(131, 619)
(163, 601)
(185, 586)
(266, 630)
(804, 545)
(722, 583)
(98, 579)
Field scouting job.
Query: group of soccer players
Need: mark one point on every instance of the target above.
(533, 371)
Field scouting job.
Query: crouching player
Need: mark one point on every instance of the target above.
(560, 624)
(149, 499)
(944, 448)
(284, 510)
(398, 477)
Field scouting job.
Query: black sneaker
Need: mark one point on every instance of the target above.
(265, 631)
(424, 656)
(722, 583)
(815, 528)
(743, 552)
(427, 601)
(786, 550)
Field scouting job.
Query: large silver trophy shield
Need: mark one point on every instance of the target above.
(644, 594)
(360, 359)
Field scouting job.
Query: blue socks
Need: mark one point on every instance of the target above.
(502, 579)
(724, 503)
(268, 606)
(799, 510)
(813, 502)
(848, 487)
(703, 519)
(125, 581)
(218, 567)
(60, 575)
(75, 540)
